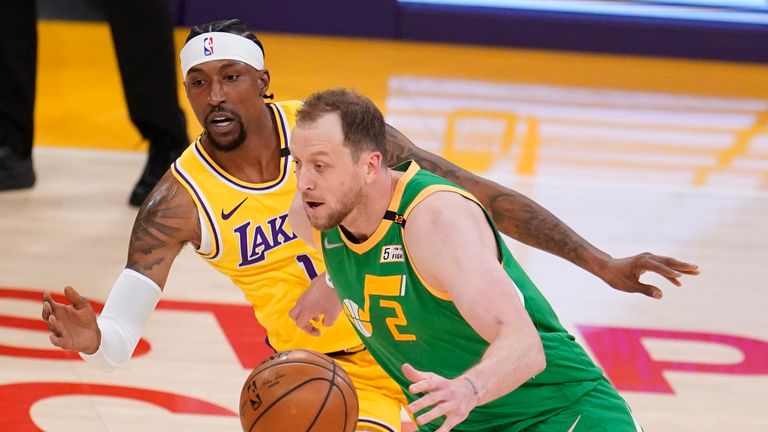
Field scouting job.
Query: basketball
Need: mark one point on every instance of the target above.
(298, 390)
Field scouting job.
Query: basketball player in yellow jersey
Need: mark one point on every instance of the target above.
(229, 194)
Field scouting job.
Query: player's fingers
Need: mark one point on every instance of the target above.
(425, 385)
(649, 264)
(447, 425)
(681, 266)
(53, 325)
(660, 268)
(48, 299)
(649, 290)
(309, 328)
(426, 401)
(330, 316)
(295, 311)
(298, 316)
(78, 301)
(414, 375)
(47, 310)
(432, 414)
(56, 340)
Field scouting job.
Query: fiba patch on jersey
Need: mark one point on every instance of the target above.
(392, 253)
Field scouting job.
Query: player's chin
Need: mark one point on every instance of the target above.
(320, 223)
(317, 223)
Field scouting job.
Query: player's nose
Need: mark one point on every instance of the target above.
(217, 95)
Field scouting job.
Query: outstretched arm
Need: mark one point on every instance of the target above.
(166, 221)
(525, 221)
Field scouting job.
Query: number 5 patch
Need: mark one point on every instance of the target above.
(392, 253)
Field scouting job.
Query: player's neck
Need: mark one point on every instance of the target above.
(257, 160)
(363, 221)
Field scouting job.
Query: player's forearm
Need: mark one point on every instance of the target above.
(526, 221)
(122, 321)
(520, 217)
(512, 358)
(515, 214)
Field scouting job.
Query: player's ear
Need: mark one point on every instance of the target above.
(264, 82)
(373, 164)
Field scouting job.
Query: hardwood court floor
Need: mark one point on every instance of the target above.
(636, 154)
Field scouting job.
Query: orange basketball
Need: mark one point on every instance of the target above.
(298, 390)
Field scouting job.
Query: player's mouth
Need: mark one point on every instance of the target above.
(221, 121)
(312, 206)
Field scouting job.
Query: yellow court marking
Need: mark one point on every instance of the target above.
(739, 148)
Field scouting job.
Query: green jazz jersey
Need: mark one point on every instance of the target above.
(401, 319)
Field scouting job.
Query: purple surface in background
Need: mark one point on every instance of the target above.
(489, 26)
(368, 18)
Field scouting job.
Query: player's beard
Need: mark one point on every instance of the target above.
(336, 217)
(232, 145)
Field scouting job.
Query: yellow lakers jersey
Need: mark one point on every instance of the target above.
(245, 235)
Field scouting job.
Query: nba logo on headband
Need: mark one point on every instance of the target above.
(208, 46)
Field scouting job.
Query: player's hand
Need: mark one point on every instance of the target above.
(453, 399)
(624, 274)
(72, 327)
(318, 304)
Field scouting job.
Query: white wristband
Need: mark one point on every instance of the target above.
(128, 307)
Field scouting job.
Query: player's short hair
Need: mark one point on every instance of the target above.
(234, 26)
(361, 121)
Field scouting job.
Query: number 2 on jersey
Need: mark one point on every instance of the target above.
(390, 286)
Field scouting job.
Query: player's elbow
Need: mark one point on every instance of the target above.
(540, 360)
(537, 360)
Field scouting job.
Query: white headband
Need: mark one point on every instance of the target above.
(220, 46)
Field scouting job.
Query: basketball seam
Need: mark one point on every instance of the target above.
(283, 396)
(325, 400)
(305, 362)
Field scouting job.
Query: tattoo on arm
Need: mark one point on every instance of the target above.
(522, 219)
(401, 149)
(515, 214)
(157, 225)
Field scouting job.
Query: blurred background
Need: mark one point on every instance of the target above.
(642, 124)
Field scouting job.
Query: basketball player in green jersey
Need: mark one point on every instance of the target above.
(428, 283)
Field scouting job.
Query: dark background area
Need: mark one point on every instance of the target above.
(389, 19)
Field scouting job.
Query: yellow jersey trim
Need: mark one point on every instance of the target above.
(284, 137)
(416, 201)
(394, 204)
(204, 212)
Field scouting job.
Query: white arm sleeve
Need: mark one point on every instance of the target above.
(128, 307)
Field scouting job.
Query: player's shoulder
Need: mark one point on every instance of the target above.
(439, 209)
(171, 202)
